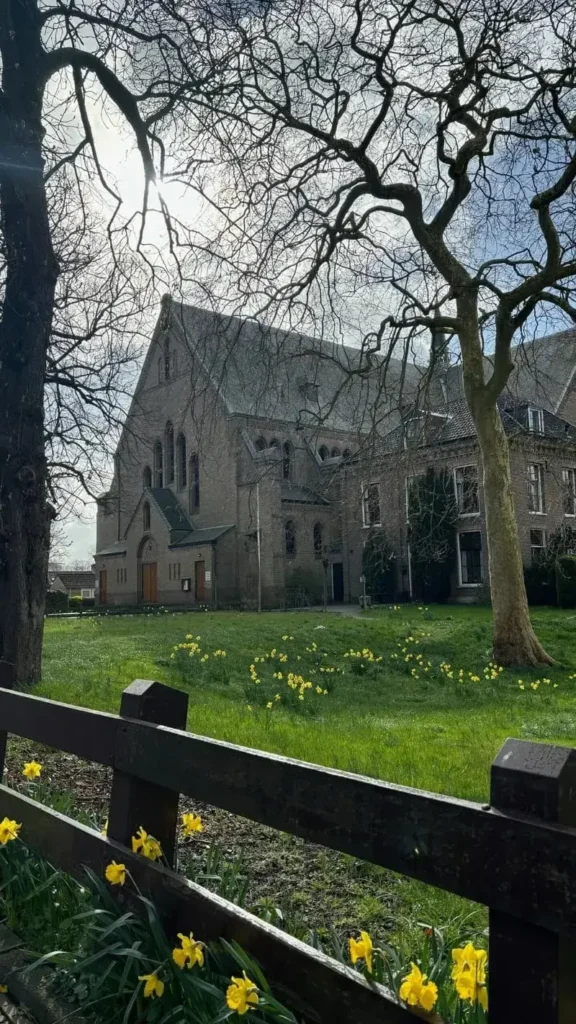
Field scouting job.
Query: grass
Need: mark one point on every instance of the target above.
(436, 733)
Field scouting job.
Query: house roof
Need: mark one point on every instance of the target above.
(77, 580)
(119, 548)
(282, 375)
(301, 495)
(198, 537)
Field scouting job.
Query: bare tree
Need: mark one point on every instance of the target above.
(58, 58)
(419, 155)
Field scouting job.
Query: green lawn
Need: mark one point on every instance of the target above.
(434, 732)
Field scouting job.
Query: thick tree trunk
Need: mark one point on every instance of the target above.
(24, 333)
(514, 640)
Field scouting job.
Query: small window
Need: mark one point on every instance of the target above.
(194, 484)
(371, 505)
(323, 452)
(317, 534)
(470, 562)
(287, 460)
(414, 430)
(181, 461)
(466, 483)
(335, 453)
(86, 593)
(169, 434)
(146, 516)
(536, 499)
(290, 538)
(158, 464)
(147, 477)
(274, 443)
(569, 491)
(537, 545)
(260, 444)
(536, 420)
(346, 453)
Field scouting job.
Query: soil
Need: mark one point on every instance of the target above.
(306, 886)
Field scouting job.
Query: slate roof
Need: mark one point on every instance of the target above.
(206, 536)
(301, 495)
(113, 549)
(77, 580)
(171, 509)
(261, 371)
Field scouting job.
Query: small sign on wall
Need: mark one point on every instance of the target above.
(208, 576)
(186, 583)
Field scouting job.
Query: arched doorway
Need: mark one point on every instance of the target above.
(148, 570)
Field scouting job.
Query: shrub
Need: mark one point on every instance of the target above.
(540, 583)
(433, 514)
(379, 567)
(75, 602)
(56, 601)
(310, 580)
(566, 581)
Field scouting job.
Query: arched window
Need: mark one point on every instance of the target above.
(194, 483)
(158, 465)
(346, 453)
(287, 460)
(167, 360)
(335, 453)
(290, 538)
(169, 435)
(274, 443)
(323, 452)
(260, 444)
(181, 461)
(146, 516)
(317, 540)
(147, 477)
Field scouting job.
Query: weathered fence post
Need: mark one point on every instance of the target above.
(532, 970)
(7, 676)
(133, 802)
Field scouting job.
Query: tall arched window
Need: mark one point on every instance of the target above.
(194, 483)
(287, 460)
(260, 444)
(274, 443)
(167, 360)
(335, 453)
(317, 540)
(169, 434)
(146, 516)
(158, 465)
(290, 538)
(323, 452)
(346, 453)
(147, 477)
(181, 462)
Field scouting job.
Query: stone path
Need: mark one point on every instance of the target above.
(12, 1014)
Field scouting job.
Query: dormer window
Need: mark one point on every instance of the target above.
(536, 420)
(413, 430)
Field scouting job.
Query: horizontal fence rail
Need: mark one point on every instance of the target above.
(519, 859)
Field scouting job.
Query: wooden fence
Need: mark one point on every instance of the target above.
(516, 855)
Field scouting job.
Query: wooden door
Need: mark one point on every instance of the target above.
(200, 581)
(103, 591)
(149, 582)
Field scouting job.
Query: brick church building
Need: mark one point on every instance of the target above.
(254, 462)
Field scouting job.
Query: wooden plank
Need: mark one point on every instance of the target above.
(522, 867)
(532, 974)
(134, 801)
(7, 679)
(89, 734)
(322, 989)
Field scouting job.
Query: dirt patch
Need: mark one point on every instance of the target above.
(305, 885)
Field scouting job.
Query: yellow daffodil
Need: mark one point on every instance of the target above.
(242, 995)
(189, 952)
(361, 949)
(146, 845)
(116, 873)
(191, 823)
(32, 770)
(153, 986)
(416, 990)
(469, 974)
(8, 830)
(270, 705)
(3, 989)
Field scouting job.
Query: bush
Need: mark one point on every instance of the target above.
(379, 567)
(566, 581)
(56, 601)
(310, 580)
(433, 515)
(75, 602)
(540, 583)
(88, 602)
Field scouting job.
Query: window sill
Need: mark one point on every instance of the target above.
(531, 513)
(468, 515)
(470, 585)
(570, 515)
(370, 526)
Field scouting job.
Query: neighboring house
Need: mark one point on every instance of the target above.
(238, 433)
(75, 584)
